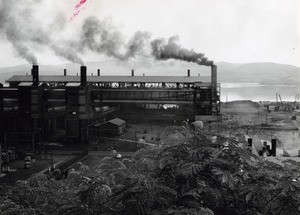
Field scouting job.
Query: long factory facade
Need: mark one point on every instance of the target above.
(58, 108)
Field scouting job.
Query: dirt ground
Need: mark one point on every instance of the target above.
(237, 114)
(256, 114)
(38, 165)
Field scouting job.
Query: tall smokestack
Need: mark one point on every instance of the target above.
(214, 83)
(188, 73)
(83, 75)
(35, 75)
(98, 71)
(132, 72)
(65, 72)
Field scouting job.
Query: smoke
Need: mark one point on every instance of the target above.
(27, 34)
(138, 44)
(10, 27)
(67, 53)
(163, 50)
(103, 38)
(20, 26)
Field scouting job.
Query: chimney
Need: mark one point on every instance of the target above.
(98, 71)
(83, 75)
(65, 72)
(92, 74)
(188, 73)
(214, 82)
(132, 72)
(143, 74)
(35, 75)
(198, 74)
(273, 149)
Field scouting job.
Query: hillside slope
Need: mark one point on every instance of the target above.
(264, 73)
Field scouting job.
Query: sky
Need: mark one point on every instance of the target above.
(236, 31)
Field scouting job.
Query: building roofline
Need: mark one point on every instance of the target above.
(112, 79)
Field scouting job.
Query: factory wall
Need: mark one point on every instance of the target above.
(62, 111)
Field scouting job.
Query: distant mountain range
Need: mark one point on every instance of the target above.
(263, 73)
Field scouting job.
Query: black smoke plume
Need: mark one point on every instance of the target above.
(103, 38)
(163, 50)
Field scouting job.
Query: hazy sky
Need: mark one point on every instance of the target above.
(237, 31)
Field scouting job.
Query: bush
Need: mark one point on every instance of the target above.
(192, 178)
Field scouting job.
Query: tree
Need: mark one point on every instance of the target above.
(199, 177)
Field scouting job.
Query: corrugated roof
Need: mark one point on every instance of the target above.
(111, 79)
(117, 121)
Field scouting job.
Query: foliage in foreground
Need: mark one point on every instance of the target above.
(195, 178)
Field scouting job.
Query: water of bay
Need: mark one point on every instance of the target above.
(257, 92)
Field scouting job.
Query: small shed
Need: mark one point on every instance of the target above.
(113, 127)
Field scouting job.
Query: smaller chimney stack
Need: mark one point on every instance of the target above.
(35, 75)
(83, 75)
(214, 82)
(132, 72)
(65, 72)
(198, 74)
(92, 74)
(143, 74)
(98, 71)
(188, 73)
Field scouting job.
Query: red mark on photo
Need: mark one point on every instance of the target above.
(78, 8)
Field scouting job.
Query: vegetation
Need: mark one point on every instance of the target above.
(199, 177)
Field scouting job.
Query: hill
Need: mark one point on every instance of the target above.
(263, 73)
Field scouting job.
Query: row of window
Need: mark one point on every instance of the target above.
(169, 96)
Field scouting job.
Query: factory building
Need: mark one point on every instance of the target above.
(113, 127)
(63, 107)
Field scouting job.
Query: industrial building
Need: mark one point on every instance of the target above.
(61, 108)
(113, 127)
